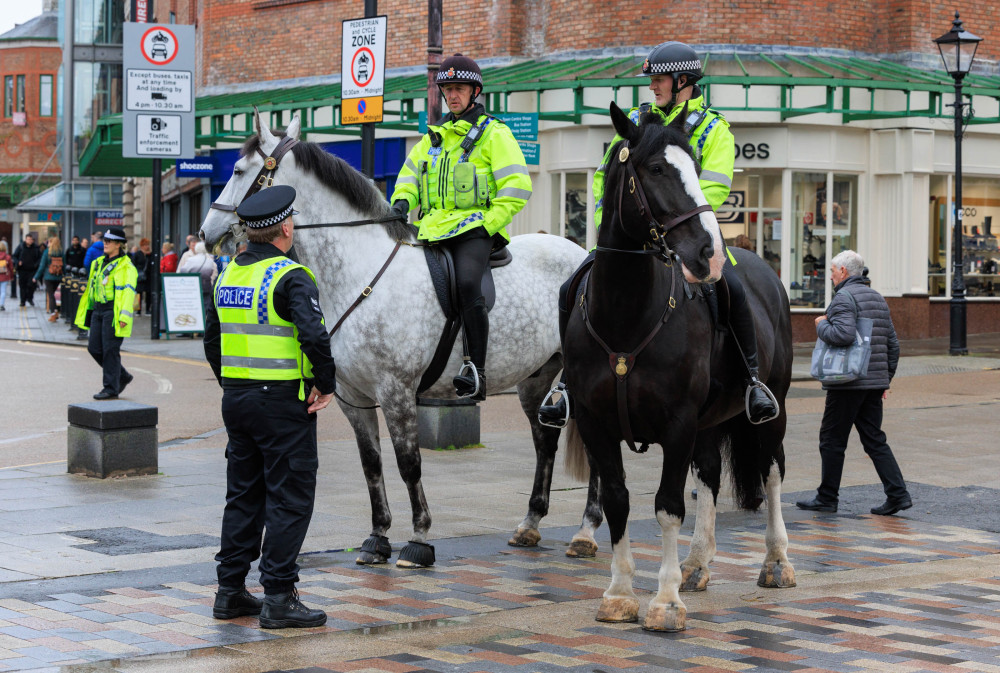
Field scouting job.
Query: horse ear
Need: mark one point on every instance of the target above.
(262, 131)
(294, 127)
(679, 121)
(623, 125)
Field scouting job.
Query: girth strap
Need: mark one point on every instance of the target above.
(622, 363)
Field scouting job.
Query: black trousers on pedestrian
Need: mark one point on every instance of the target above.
(26, 283)
(270, 484)
(861, 409)
(105, 347)
(50, 294)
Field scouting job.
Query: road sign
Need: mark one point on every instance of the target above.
(524, 125)
(362, 76)
(158, 117)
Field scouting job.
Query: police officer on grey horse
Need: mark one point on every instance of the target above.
(269, 348)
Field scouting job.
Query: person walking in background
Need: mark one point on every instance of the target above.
(27, 257)
(190, 242)
(74, 255)
(145, 271)
(857, 403)
(168, 258)
(51, 271)
(109, 296)
(201, 263)
(6, 273)
(95, 250)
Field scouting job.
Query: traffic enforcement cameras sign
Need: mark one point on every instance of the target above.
(362, 76)
(158, 117)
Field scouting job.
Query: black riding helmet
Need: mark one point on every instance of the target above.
(459, 69)
(673, 58)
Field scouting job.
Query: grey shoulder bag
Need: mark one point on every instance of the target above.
(841, 364)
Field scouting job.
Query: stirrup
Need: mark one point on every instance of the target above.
(467, 365)
(547, 401)
(757, 383)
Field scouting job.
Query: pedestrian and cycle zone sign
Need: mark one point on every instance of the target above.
(362, 75)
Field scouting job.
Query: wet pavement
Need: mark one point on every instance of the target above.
(102, 575)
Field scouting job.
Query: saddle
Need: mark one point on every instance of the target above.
(441, 266)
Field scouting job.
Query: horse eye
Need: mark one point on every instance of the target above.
(656, 170)
(237, 171)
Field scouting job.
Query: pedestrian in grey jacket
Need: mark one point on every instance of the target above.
(857, 403)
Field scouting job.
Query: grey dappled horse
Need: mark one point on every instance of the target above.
(386, 344)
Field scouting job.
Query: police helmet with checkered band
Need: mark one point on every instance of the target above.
(673, 58)
(459, 69)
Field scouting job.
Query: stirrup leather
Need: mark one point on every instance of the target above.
(547, 401)
(467, 366)
(757, 383)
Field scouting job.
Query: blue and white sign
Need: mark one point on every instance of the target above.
(199, 167)
(530, 151)
(523, 125)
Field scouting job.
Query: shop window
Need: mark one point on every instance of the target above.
(751, 216)
(570, 204)
(824, 216)
(45, 95)
(980, 249)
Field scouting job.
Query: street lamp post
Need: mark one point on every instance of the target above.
(958, 49)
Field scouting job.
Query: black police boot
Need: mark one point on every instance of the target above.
(471, 381)
(232, 602)
(558, 413)
(285, 611)
(760, 403)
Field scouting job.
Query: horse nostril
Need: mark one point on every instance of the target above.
(707, 252)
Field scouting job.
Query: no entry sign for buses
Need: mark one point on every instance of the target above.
(362, 73)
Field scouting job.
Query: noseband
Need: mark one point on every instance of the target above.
(657, 231)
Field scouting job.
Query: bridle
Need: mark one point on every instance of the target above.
(622, 363)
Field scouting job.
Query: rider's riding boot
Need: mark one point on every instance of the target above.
(760, 406)
(471, 381)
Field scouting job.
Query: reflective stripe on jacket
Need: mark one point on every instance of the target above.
(110, 280)
(256, 343)
(500, 189)
(712, 143)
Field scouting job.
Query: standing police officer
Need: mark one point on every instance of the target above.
(674, 69)
(267, 344)
(110, 293)
(469, 179)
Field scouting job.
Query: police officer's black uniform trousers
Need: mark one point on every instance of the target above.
(105, 347)
(271, 483)
(471, 253)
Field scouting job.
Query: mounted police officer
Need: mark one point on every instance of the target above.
(109, 297)
(674, 69)
(266, 341)
(468, 178)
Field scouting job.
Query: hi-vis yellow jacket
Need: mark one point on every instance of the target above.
(492, 187)
(713, 145)
(257, 343)
(110, 280)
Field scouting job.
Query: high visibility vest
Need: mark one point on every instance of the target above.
(114, 282)
(257, 343)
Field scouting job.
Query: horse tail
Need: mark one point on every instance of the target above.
(744, 452)
(577, 466)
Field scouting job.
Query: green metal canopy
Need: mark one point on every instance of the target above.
(791, 85)
(16, 187)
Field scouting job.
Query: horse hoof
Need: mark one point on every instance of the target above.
(415, 555)
(374, 550)
(618, 610)
(525, 537)
(777, 575)
(670, 618)
(694, 578)
(582, 548)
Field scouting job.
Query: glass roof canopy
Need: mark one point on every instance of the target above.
(781, 86)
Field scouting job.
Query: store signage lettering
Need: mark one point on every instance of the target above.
(752, 151)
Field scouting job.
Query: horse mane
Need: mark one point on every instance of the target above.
(339, 176)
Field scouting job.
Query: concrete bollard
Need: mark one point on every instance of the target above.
(112, 439)
(443, 424)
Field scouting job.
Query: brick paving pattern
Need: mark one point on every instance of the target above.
(951, 625)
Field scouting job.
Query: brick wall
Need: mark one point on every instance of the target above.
(246, 41)
(26, 149)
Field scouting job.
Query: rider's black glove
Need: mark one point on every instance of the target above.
(401, 209)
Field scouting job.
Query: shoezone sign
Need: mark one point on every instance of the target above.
(362, 75)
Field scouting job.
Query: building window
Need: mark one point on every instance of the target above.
(19, 99)
(8, 96)
(99, 21)
(570, 205)
(822, 225)
(45, 95)
(980, 249)
(753, 210)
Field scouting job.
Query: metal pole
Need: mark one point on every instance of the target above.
(435, 52)
(368, 130)
(958, 302)
(154, 267)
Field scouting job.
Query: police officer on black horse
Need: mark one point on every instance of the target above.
(266, 341)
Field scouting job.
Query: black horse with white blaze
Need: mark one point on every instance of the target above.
(651, 362)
